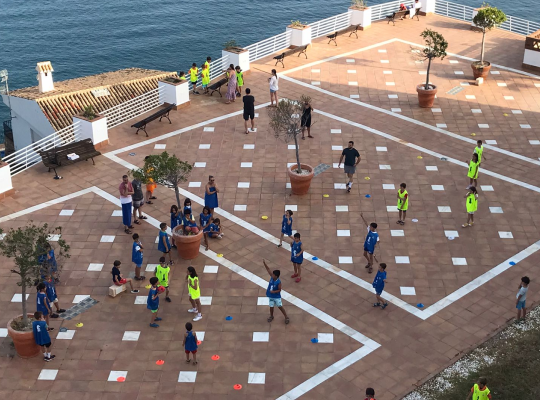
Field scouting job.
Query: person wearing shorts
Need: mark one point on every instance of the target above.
(249, 110)
(190, 343)
(378, 285)
(352, 158)
(152, 302)
(162, 273)
(521, 297)
(41, 335)
(138, 200)
(118, 280)
(273, 292)
(50, 289)
(369, 245)
(471, 202)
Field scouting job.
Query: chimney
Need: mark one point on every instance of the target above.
(44, 76)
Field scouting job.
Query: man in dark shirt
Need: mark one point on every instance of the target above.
(138, 200)
(352, 158)
(249, 110)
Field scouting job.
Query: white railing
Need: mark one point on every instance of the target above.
(132, 108)
(27, 156)
(269, 46)
(330, 25)
(218, 66)
(380, 11)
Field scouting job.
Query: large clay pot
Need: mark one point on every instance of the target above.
(426, 97)
(24, 342)
(187, 246)
(300, 183)
(480, 72)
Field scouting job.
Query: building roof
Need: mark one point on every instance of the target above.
(102, 91)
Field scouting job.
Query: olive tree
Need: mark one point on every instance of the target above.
(434, 47)
(488, 18)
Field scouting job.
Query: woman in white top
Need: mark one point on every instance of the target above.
(273, 80)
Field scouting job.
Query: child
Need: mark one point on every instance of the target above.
(474, 165)
(194, 293)
(239, 79)
(187, 205)
(188, 222)
(162, 273)
(193, 76)
(480, 391)
(370, 393)
(41, 336)
(273, 292)
(214, 230)
(182, 76)
(402, 203)
(205, 217)
(378, 285)
(175, 220)
(51, 295)
(479, 149)
(521, 296)
(137, 257)
(207, 62)
(163, 245)
(472, 205)
(369, 245)
(118, 279)
(190, 343)
(297, 257)
(152, 302)
(205, 74)
(286, 226)
(42, 303)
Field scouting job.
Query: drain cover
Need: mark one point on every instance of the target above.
(131, 154)
(320, 168)
(455, 90)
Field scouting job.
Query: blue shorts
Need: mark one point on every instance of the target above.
(274, 302)
(297, 260)
(44, 311)
(520, 305)
(379, 290)
(287, 232)
(370, 251)
(273, 91)
(204, 86)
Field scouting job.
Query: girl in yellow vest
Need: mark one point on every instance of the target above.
(194, 293)
(472, 205)
(402, 203)
(193, 77)
(479, 149)
(239, 79)
(474, 166)
(480, 391)
(205, 73)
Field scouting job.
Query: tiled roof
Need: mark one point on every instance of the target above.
(44, 66)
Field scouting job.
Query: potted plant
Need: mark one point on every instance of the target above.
(28, 247)
(360, 14)
(232, 47)
(358, 5)
(300, 33)
(89, 112)
(236, 55)
(486, 19)
(169, 171)
(286, 125)
(435, 47)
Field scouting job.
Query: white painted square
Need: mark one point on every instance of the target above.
(187, 376)
(116, 213)
(325, 337)
(257, 378)
(351, 71)
(509, 97)
(200, 164)
(337, 148)
(387, 72)
(422, 72)
(501, 84)
(157, 240)
(107, 238)
(517, 112)
(249, 146)
(151, 267)
(506, 235)
(354, 96)
(459, 261)
(140, 300)
(476, 111)
(495, 72)
(208, 129)
(263, 301)
(384, 61)
(353, 83)
(470, 96)
(335, 165)
(114, 375)
(243, 185)
(288, 185)
(384, 166)
(407, 291)
(537, 84)
(53, 238)
(240, 207)
(204, 146)
(261, 336)
(206, 300)
(391, 209)
(459, 73)
(534, 142)
(395, 109)
(17, 298)
(380, 148)
(80, 297)
(292, 207)
(496, 210)
(291, 147)
(454, 61)
(450, 234)
(211, 269)
(390, 84)
(444, 209)
(491, 141)
(442, 126)
(345, 260)
(342, 208)
(246, 165)
(486, 188)
(335, 130)
(397, 232)
(436, 110)
(350, 60)
(66, 212)
(256, 115)
(437, 187)
(47, 375)
(464, 83)
(200, 335)
(316, 83)
(483, 126)
(343, 232)
(194, 184)
(388, 186)
(381, 51)
(524, 126)
(131, 336)
(392, 96)
(160, 146)
(431, 168)
(402, 260)
(339, 186)
(316, 71)
(95, 267)
(3, 332)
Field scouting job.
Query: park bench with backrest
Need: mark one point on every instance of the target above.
(290, 52)
(58, 156)
(164, 112)
(353, 29)
(216, 87)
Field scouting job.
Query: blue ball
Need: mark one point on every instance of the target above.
(368, 196)
(228, 318)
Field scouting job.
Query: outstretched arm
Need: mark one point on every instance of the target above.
(266, 266)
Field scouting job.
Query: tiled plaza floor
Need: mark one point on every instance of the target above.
(425, 265)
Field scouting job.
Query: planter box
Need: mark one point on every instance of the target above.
(300, 36)
(175, 93)
(6, 186)
(360, 17)
(237, 57)
(428, 7)
(531, 57)
(94, 129)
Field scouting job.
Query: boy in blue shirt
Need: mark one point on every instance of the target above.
(273, 292)
(369, 245)
(163, 245)
(137, 257)
(152, 303)
(286, 226)
(378, 285)
(41, 336)
(42, 302)
(51, 295)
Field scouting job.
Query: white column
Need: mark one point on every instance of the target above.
(174, 92)
(428, 6)
(300, 36)
(237, 58)
(531, 58)
(6, 186)
(360, 17)
(95, 129)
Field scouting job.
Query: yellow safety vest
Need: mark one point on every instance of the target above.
(400, 204)
(194, 294)
(193, 72)
(472, 202)
(479, 151)
(240, 78)
(480, 394)
(162, 273)
(473, 169)
(205, 76)
(207, 65)
(182, 78)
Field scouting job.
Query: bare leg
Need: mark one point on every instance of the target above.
(276, 96)
(205, 236)
(194, 358)
(199, 307)
(130, 284)
(283, 311)
(245, 127)
(187, 357)
(252, 125)
(309, 132)
(272, 312)
(193, 304)
(281, 239)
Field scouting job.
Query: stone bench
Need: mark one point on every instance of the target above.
(115, 290)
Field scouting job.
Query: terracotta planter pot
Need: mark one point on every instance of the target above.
(187, 246)
(480, 72)
(300, 183)
(426, 97)
(24, 342)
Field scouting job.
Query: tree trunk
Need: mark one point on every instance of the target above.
(25, 315)
(177, 193)
(297, 153)
(483, 46)
(427, 73)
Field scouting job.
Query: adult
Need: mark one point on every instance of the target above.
(138, 200)
(305, 122)
(352, 158)
(249, 110)
(211, 194)
(232, 85)
(126, 190)
(273, 82)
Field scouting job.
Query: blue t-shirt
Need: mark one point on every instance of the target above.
(152, 304)
(50, 290)
(378, 282)
(285, 227)
(161, 246)
(213, 227)
(371, 241)
(273, 285)
(41, 299)
(175, 220)
(204, 221)
(41, 335)
(136, 256)
(191, 343)
(296, 247)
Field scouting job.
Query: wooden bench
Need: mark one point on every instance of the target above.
(164, 112)
(115, 290)
(352, 29)
(57, 156)
(216, 87)
(290, 52)
(397, 14)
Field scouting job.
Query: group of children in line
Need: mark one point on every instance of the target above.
(205, 76)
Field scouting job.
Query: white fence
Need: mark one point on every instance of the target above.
(269, 46)
(330, 25)
(380, 11)
(132, 108)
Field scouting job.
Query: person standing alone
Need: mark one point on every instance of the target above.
(249, 110)
(352, 158)
(126, 190)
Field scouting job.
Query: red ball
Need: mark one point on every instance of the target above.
(160, 289)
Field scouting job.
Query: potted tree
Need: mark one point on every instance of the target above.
(169, 171)
(300, 33)
(360, 14)
(28, 246)
(236, 55)
(286, 125)
(435, 47)
(486, 19)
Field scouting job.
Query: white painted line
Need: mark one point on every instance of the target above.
(506, 235)
(391, 209)
(490, 141)
(80, 297)
(385, 61)
(388, 186)
(390, 84)
(524, 126)
(387, 72)
(67, 335)
(240, 207)
(431, 168)
(444, 209)
(200, 335)
(263, 301)
(509, 97)
(249, 146)
(343, 232)
(206, 300)
(395, 109)
(534, 142)
(194, 184)
(384, 167)
(47, 375)
(243, 185)
(257, 378)
(470, 96)
(208, 129)
(501, 84)
(442, 126)
(17, 297)
(107, 238)
(437, 187)
(397, 233)
(151, 267)
(3, 332)
(315, 83)
(292, 207)
(486, 188)
(160, 146)
(200, 164)
(402, 260)
(381, 148)
(450, 234)
(246, 165)
(116, 213)
(476, 110)
(517, 112)
(140, 300)
(345, 260)
(340, 186)
(353, 83)
(496, 210)
(351, 71)
(337, 148)
(261, 336)
(459, 73)
(354, 96)
(211, 269)
(483, 126)
(342, 208)
(335, 130)
(392, 96)
(204, 146)
(459, 261)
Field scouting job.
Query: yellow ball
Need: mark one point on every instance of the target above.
(367, 178)
(325, 195)
(419, 157)
(473, 134)
(264, 217)
(219, 255)
(148, 286)
(79, 325)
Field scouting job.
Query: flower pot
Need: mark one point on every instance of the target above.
(24, 342)
(300, 183)
(187, 246)
(480, 72)
(426, 97)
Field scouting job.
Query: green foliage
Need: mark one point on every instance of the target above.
(297, 24)
(230, 44)
(489, 17)
(359, 4)
(89, 112)
(435, 47)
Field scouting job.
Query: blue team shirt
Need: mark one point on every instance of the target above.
(371, 241)
(41, 335)
(213, 228)
(161, 246)
(41, 299)
(273, 285)
(285, 227)
(50, 290)
(378, 282)
(152, 304)
(174, 220)
(136, 256)
(191, 343)
(295, 249)
(204, 221)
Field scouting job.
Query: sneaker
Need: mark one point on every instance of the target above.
(376, 304)
(168, 299)
(134, 291)
(52, 356)
(158, 319)
(46, 359)
(154, 325)
(197, 318)
(349, 189)
(54, 315)
(294, 275)
(192, 310)
(61, 310)
(384, 306)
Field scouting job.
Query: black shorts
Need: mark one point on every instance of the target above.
(47, 344)
(306, 122)
(249, 115)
